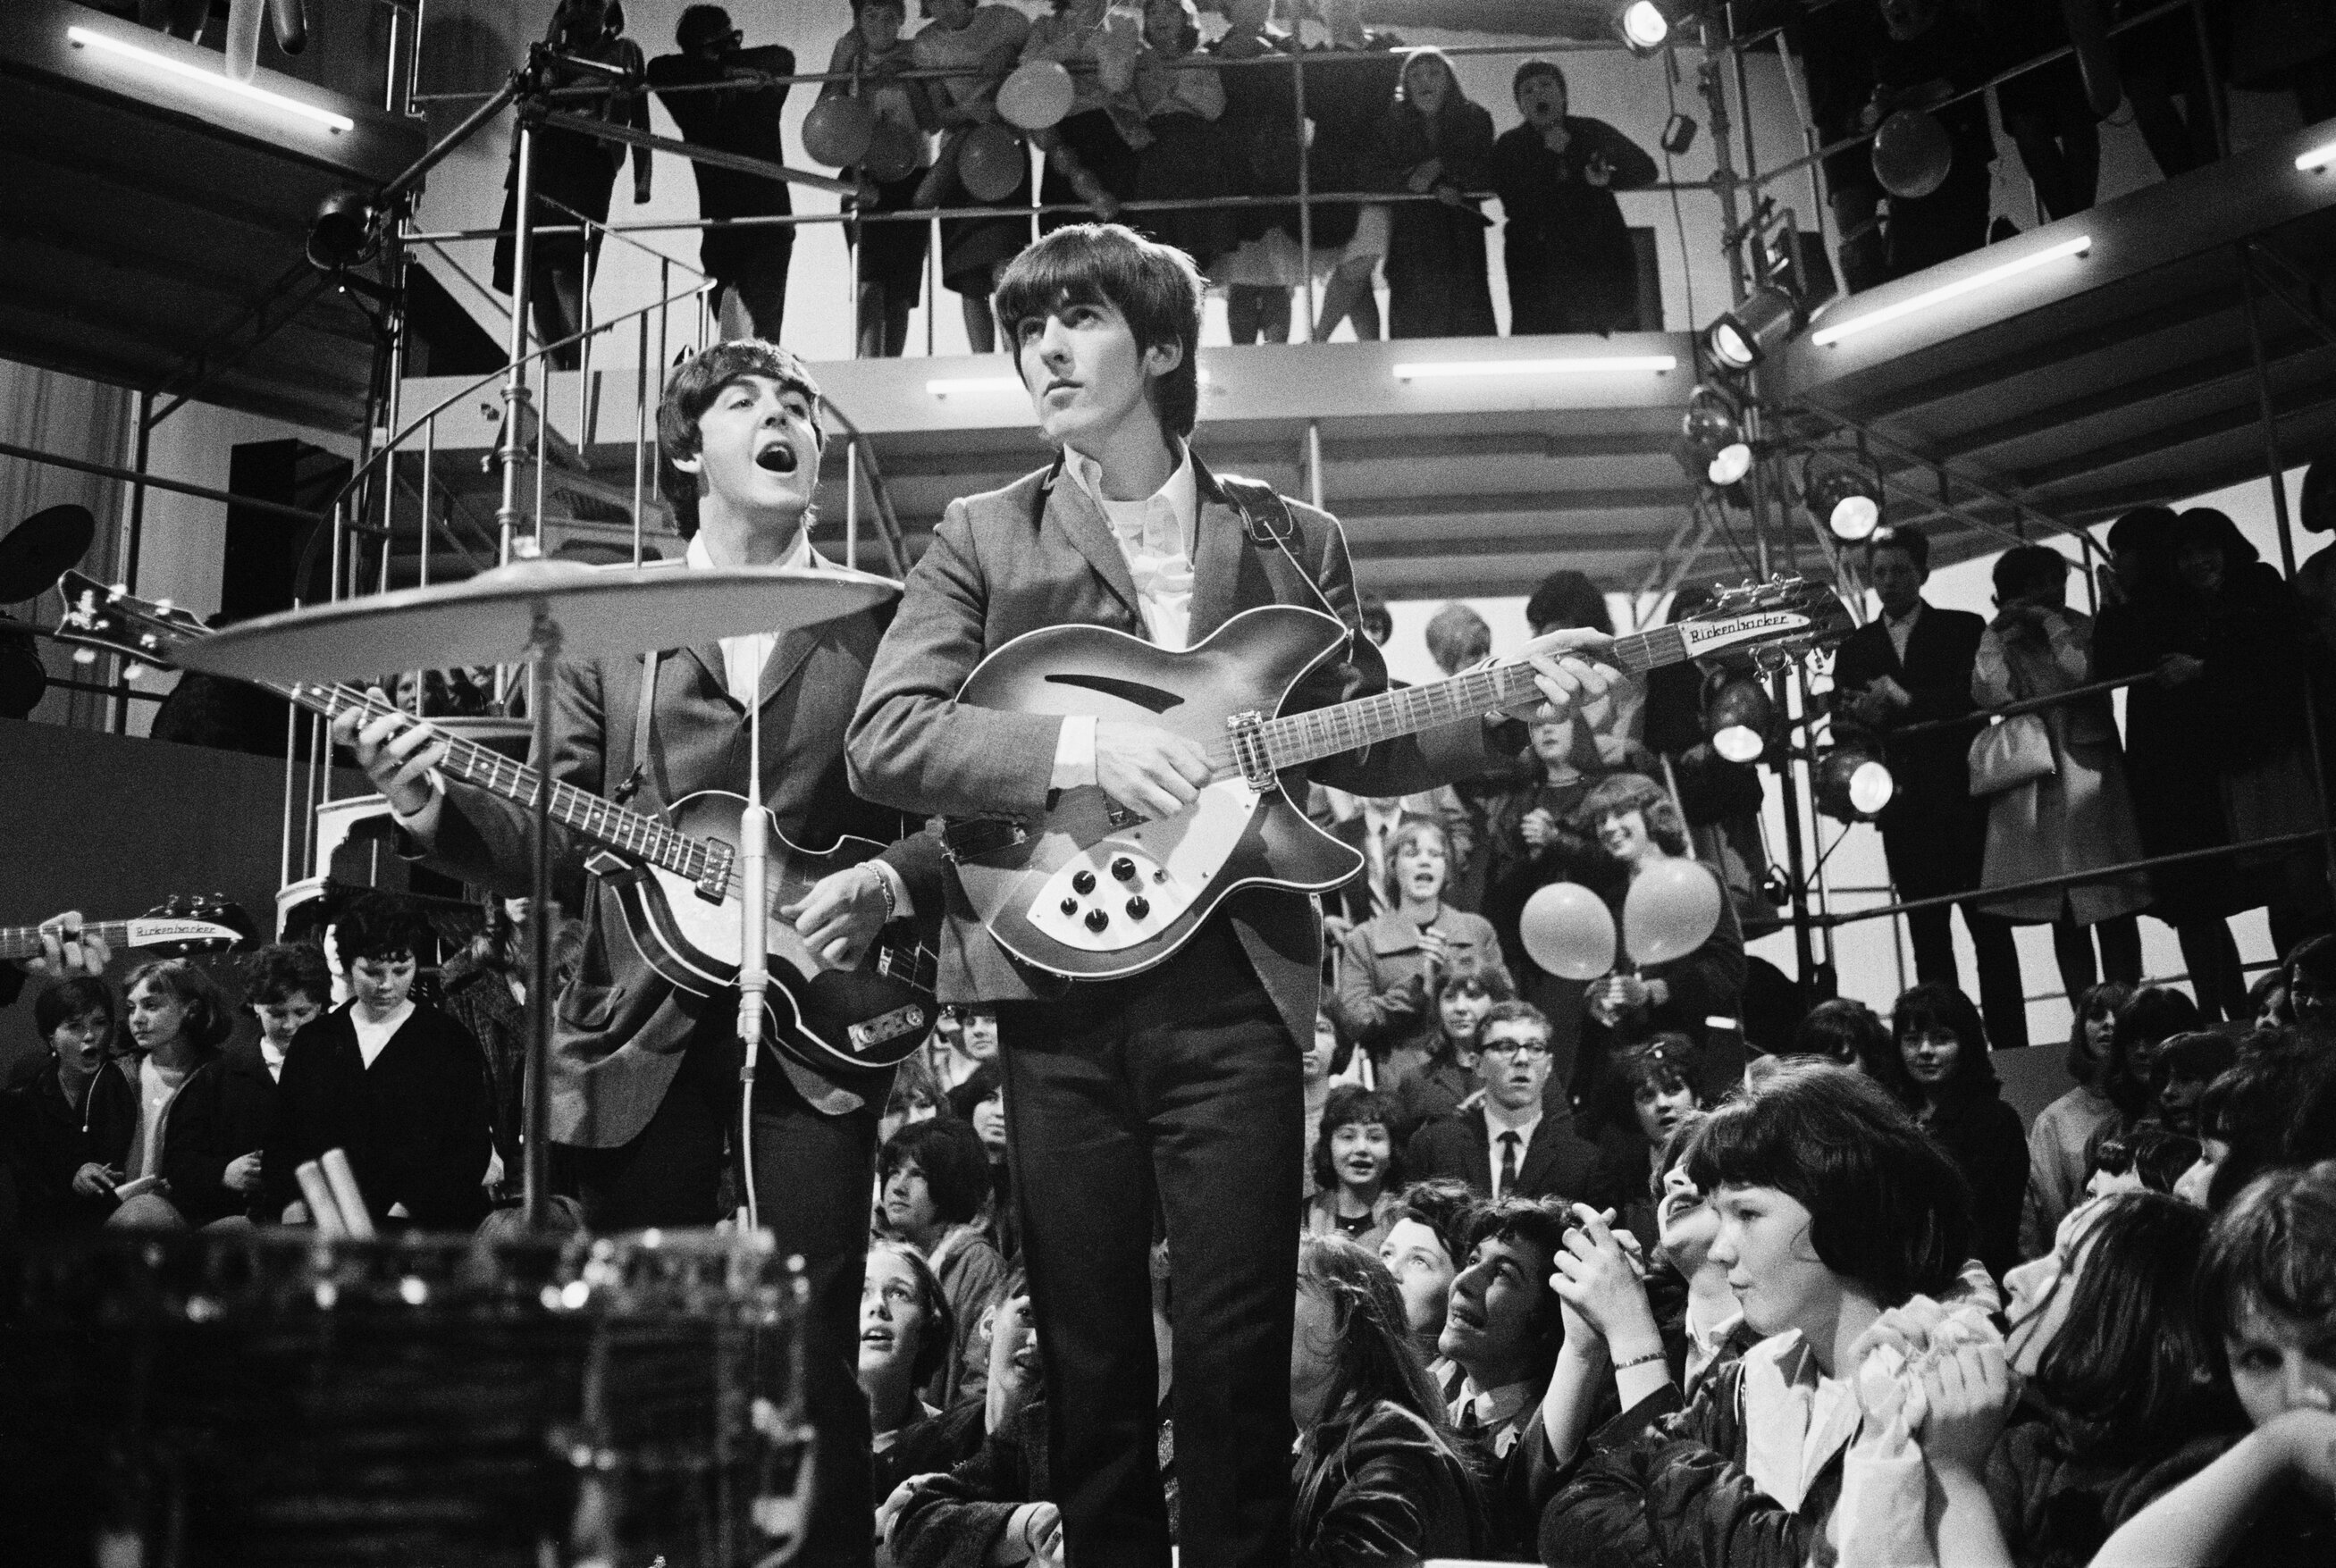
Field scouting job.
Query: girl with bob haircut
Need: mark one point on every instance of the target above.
(1941, 1071)
(1376, 1477)
(1833, 1208)
(1846, 1033)
(1358, 1171)
(2064, 1130)
(2151, 1017)
(179, 1020)
(1392, 962)
(2267, 1296)
(907, 1332)
(1155, 288)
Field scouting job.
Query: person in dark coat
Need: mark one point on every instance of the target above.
(1910, 665)
(80, 1110)
(1447, 1079)
(394, 1082)
(1433, 140)
(1927, 56)
(212, 1138)
(1568, 253)
(1941, 1073)
(1541, 1154)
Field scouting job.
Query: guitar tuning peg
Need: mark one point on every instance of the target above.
(85, 657)
(132, 670)
(118, 591)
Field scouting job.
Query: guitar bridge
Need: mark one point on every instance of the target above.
(714, 883)
(1247, 731)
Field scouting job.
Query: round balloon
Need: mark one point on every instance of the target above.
(1911, 154)
(992, 163)
(891, 153)
(836, 131)
(1569, 931)
(1671, 909)
(1036, 95)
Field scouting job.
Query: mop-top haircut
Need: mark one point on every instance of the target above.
(691, 390)
(1155, 287)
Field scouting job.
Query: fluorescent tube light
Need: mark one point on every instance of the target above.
(1610, 365)
(1977, 280)
(216, 81)
(2318, 158)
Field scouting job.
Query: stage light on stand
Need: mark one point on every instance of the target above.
(1743, 337)
(1737, 718)
(1715, 437)
(1643, 26)
(1846, 500)
(1853, 783)
(343, 231)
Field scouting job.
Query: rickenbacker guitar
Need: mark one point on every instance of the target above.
(177, 929)
(1091, 891)
(679, 884)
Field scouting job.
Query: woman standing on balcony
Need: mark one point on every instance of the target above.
(888, 259)
(1433, 140)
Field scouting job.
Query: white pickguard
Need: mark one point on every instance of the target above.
(714, 929)
(1174, 859)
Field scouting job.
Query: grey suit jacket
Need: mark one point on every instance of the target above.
(1038, 553)
(620, 1027)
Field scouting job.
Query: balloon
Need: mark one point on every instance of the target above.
(1671, 909)
(1036, 95)
(1569, 931)
(992, 163)
(1911, 154)
(836, 131)
(891, 153)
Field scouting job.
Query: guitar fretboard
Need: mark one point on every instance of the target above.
(24, 942)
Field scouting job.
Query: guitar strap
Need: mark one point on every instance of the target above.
(642, 712)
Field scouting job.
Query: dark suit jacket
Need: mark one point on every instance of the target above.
(1931, 770)
(1558, 1163)
(621, 1027)
(1038, 553)
(225, 1110)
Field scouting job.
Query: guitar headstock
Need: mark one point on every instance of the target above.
(224, 926)
(115, 620)
(1771, 622)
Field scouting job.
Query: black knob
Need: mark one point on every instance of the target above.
(1070, 906)
(1124, 869)
(1083, 882)
(1097, 919)
(1138, 907)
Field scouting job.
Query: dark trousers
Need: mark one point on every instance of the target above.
(1176, 1091)
(1937, 853)
(814, 1175)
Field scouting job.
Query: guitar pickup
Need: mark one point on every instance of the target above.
(970, 838)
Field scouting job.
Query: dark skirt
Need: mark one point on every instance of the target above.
(1107, 156)
(892, 254)
(1438, 286)
(972, 247)
(1186, 160)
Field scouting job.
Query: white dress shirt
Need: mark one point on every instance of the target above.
(371, 1036)
(1902, 630)
(1493, 1129)
(1155, 536)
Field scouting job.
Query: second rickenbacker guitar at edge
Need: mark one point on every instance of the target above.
(678, 882)
(1091, 890)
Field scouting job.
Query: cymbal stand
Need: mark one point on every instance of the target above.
(542, 916)
(753, 951)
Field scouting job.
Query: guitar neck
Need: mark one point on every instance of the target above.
(1317, 732)
(24, 942)
(598, 820)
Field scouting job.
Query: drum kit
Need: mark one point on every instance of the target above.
(271, 1396)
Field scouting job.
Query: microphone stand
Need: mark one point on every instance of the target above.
(755, 961)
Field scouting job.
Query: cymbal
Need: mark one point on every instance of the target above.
(39, 549)
(596, 612)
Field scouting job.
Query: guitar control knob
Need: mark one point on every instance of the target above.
(1138, 907)
(1124, 869)
(1083, 882)
(1070, 906)
(1099, 918)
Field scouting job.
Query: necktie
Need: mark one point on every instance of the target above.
(1471, 1424)
(1508, 1164)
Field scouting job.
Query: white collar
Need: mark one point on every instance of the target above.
(699, 557)
(1180, 494)
(1796, 1418)
(1523, 1129)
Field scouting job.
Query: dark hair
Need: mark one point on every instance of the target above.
(2147, 529)
(937, 1332)
(691, 390)
(2120, 1372)
(2205, 525)
(1846, 1033)
(1490, 981)
(280, 970)
(1634, 792)
(1343, 1051)
(2153, 1013)
(2253, 1110)
(1351, 1104)
(1155, 287)
(1936, 1005)
(2199, 1053)
(2106, 997)
(1888, 1208)
(2026, 567)
(1565, 599)
(956, 1166)
(61, 1001)
(2271, 990)
(2159, 1156)
(1536, 1222)
(1457, 637)
(2274, 1250)
(380, 926)
(2314, 957)
(916, 1081)
(701, 25)
(1674, 1149)
(1904, 538)
(984, 1083)
(1533, 69)
(208, 1020)
(1445, 1205)
(1370, 611)
(1375, 1361)
(1513, 1012)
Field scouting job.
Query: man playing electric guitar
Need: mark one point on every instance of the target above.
(644, 1075)
(1176, 1089)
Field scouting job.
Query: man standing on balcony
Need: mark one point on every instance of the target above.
(645, 1077)
(1177, 1090)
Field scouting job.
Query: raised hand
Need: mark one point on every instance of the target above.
(395, 750)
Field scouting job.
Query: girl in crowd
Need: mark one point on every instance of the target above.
(1263, 142)
(1346, 93)
(1651, 1095)
(888, 259)
(1941, 1071)
(2146, 1159)
(79, 1114)
(1390, 964)
(1325, 1055)
(936, 1177)
(980, 1103)
(2267, 1005)
(1846, 1033)
(917, 1096)
(1355, 1168)
(1445, 1082)
(1832, 1207)
(201, 1119)
(2186, 1064)
(2311, 972)
(1432, 139)
(1183, 102)
(2267, 1287)
(906, 1330)
(1089, 156)
(979, 43)
(2065, 1129)
(1377, 1478)
(2155, 1015)
(1427, 1234)
(2276, 1108)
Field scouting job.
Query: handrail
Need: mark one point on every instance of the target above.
(2025, 704)
(1984, 896)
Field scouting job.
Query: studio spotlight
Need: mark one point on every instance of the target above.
(342, 233)
(1737, 720)
(1715, 437)
(1743, 337)
(1844, 499)
(1643, 26)
(1853, 783)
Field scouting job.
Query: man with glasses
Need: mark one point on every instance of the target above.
(1507, 1143)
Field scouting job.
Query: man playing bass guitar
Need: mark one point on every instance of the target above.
(645, 1074)
(1175, 1089)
